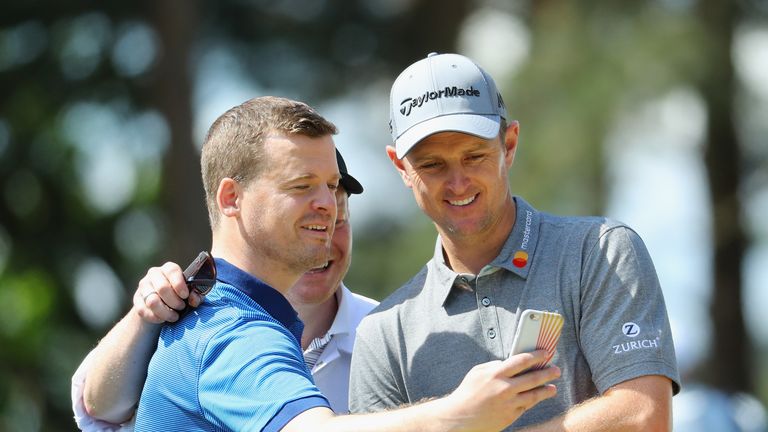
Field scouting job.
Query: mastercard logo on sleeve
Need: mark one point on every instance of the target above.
(520, 259)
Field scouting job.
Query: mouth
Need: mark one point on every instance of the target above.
(462, 203)
(316, 230)
(320, 228)
(321, 269)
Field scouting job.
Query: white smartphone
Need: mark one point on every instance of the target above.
(537, 330)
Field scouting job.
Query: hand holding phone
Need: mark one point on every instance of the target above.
(537, 330)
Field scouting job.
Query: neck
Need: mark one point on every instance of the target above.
(317, 318)
(274, 274)
(469, 254)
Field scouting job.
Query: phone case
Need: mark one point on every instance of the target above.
(537, 330)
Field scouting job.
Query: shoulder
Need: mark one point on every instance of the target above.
(585, 224)
(249, 347)
(600, 243)
(590, 231)
(230, 321)
(407, 293)
(253, 331)
(388, 312)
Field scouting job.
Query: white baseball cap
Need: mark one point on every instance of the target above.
(443, 92)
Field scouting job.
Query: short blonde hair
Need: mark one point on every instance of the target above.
(234, 145)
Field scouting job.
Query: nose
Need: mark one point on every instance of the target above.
(325, 201)
(457, 180)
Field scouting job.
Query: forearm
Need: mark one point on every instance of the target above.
(423, 417)
(491, 397)
(642, 404)
(599, 414)
(113, 384)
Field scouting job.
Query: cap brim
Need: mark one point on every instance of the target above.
(483, 126)
(350, 184)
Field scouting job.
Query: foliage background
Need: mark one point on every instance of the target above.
(650, 111)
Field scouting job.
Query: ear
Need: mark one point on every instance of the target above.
(228, 197)
(510, 142)
(399, 165)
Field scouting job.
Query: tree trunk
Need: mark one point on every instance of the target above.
(729, 365)
(183, 197)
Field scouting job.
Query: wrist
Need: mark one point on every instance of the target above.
(139, 319)
(444, 414)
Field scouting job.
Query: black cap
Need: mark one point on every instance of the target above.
(349, 183)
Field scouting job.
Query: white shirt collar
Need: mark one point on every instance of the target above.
(345, 323)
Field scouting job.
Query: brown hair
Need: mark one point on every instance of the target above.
(234, 145)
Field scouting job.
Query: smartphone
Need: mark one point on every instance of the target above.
(537, 330)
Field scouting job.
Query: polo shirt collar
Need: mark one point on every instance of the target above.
(439, 275)
(345, 321)
(517, 253)
(515, 256)
(274, 303)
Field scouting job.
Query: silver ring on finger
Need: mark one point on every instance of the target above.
(148, 296)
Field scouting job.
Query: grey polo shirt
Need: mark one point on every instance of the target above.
(422, 340)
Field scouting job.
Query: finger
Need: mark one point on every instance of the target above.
(148, 302)
(140, 305)
(155, 291)
(530, 398)
(164, 289)
(147, 315)
(159, 310)
(175, 276)
(194, 299)
(520, 362)
(533, 379)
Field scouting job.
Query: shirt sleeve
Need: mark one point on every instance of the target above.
(625, 331)
(83, 420)
(253, 377)
(372, 384)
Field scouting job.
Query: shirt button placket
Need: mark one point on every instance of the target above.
(488, 315)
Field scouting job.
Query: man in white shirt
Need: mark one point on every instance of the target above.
(107, 385)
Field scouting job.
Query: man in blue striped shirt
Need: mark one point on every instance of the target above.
(116, 369)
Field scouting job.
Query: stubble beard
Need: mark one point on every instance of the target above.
(312, 256)
(298, 256)
(481, 226)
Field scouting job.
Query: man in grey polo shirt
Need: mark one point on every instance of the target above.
(496, 256)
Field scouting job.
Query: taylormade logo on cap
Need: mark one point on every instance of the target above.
(408, 103)
(443, 92)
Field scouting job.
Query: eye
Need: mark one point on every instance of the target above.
(301, 187)
(475, 157)
(429, 165)
(333, 186)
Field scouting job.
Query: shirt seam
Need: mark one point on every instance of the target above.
(612, 375)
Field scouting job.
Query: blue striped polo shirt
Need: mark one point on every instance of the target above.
(234, 363)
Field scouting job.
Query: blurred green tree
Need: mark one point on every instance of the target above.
(94, 94)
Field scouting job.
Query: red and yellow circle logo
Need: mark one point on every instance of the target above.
(520, 259)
